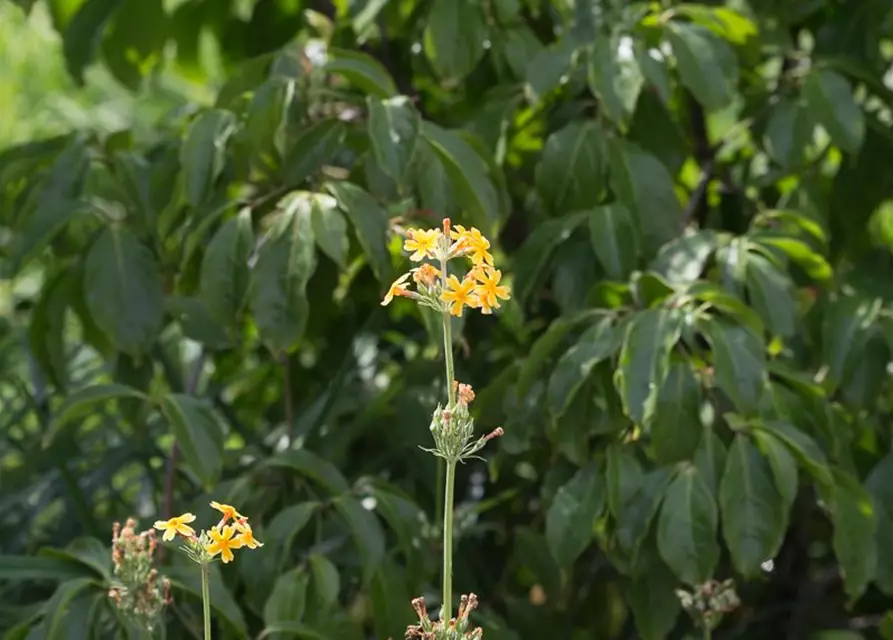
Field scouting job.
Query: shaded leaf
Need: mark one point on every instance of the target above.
(784, 467)
(676, 426)
(570, 174)
(533, 256)
(830, 101)
(361, 70)
(624, 478)
(370, 222)
(315, 147)
(706, 63)
(329, 228)
(614, 239)
(224, 272)
(880, 486)
(288, 600)
(454, 37)
(739, 362)
(574, 367)
(202, 155)
(199, 432)
(393, 127)
(326, 581)
(570, 518)
(772, 294)
(615, 78)
(653, 599)
(84, 33)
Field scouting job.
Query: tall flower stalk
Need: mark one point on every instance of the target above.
(451, 426)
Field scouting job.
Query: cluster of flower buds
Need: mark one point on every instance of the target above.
(221, 539)
(139, 592)
(459, 628)
(453, 428)
(709, 602)
(479, 288)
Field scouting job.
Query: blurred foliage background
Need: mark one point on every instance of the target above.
(201, 204)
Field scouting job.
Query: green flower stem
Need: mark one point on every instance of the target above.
(206, 599)
(447, 611)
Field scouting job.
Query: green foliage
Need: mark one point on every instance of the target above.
(692, 203)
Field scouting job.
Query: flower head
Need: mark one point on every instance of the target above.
(246, 535)
(426, 275)
(229, 512)
(176, 525)
(472, 242)
(398, 288)
(488, 289)
(459, 294)
(223, 542)
(422, 242)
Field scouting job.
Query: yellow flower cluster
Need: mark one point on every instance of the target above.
(222, 538)
(480, 288)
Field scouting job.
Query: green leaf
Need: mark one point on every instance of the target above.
(686, 529)
(60, 608)
(393, 127)
(788, 133)
(542, 349)
(362, 71)
(454, 37)
(81, 402)
(772, 295)
(802, 446)
(124, 291)
(366, 531)
(813, 263)
(753, 511)
(844, 336)
(84, 33)
(288, 523)
(531, 259)
(199, 432)
(724, 21)
(293, 629)
(15, 568)
(308, 464)
(624, 479)
(616, 79)
(710, 458)
(830, 101)
(726, 303)
(880, 486)
(653, 600)
(46, 332)
(469, 174)
(326, 581)
(676, 425)
(571, 172)
(288, 600)
(267, 119)
(203, 153)
(370, 222)
(645, 359)
(637, 512)
(644, 186)
(852, 514)
(224, 273)
(572, 514)
(285, 261)
(196, 322)
(224, 607)
(653, 66)
(574, 367)
(784, 467)
(315, 147)
(682, 260)
(706, 63)
(739, 361)
(329, 228)
(134, 40)
(614, 240)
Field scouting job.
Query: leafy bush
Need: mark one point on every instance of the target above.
(691, 202)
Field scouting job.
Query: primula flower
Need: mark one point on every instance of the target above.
(398, 288)
(246, 535)
(423, 242)
(459, 293)
(489, 291)
(474, 243)
(223, 543)
(176, 525)
(229, 513)
(426, 275)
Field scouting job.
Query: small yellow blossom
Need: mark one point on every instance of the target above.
(229, 513)
(223, 543)
(458, 294)
(397, 289)
(176, 525)
(489, 291)
(474, 243)
(246, 535)
(426, 275)
(423, 242)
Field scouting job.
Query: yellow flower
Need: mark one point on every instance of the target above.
(224, 543)
(229, 513)
(246, 535)
(397, 289)
(176, 525)
(489, 291)
(458, 294)
(426, 275)
(474, 243)
(423, 242)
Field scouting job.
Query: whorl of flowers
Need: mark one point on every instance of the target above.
(435, 287)
(221, 539)
(138, 591)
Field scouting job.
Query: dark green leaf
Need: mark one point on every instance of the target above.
(60, 609)
(788, 133)
(772, 295)
(308, 464)
(533, 256)
(654, 68)
(880, 486)
(123, 290)
(676, 425)
(570, 518)
(624, 479)
(784, 467)
(329, 228)
(542, 349)
(682, 260)
(570, 175)
(366, 531)
(710, 459)
(686, 529)
(361, 70)
(370, 222)
(199, 432)
(454, 37)
(706, 63)
(81, 402)
(644, 360)
(803, 447)
(574, 367)
(739, 362)
(653, 599)
(614, 239)
(288, 599)
(616, 79)
(203, 153)
(637, 512)
(315, 147)
(830, 102)
(547, 69)
(814, 264)
(753, 511)
(326, 581)
(135, 37)
(196, 322)
(394, 132)
(14, 568)
(46, 333)
(84, 33)
(224, 608)
(225, 274)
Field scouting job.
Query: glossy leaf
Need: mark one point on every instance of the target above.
(199, 432)
(370, 222)
(614, 239)
(616, 79)
(571, 516)
(394, 132)
(739, 363)
(534, 254)
(676, 427)
(362, 70)
(574, 367)
(830, 101)
(454, 37)
(571, 172)
(655, 605)
(225, 273)
(707, 65)
(202, 154)
(329, 228)
(772, 295)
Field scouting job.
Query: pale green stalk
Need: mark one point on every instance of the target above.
(450, 479)
(206, 599)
